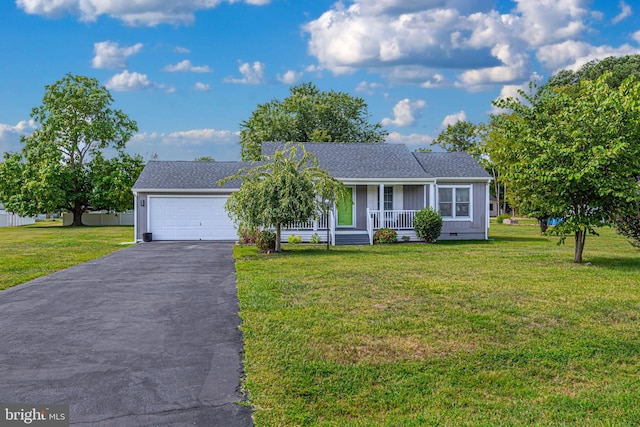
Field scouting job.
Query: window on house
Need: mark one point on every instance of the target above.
(454, 202)
(388, 198)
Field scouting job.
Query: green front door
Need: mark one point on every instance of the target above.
(345, 209)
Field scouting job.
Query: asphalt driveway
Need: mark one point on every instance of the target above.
(145, 336)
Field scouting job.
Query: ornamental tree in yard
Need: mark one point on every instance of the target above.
(308, 115)
(62, 166)
(572, 152)
(286, 188)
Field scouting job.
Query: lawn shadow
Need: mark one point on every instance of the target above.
(520, 239)
(617, 263)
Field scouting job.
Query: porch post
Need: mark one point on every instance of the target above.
(425, 201)
(382, 222)
(432, 195)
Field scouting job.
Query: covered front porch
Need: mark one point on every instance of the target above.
(368, 208)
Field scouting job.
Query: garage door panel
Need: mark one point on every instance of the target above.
(190, 218)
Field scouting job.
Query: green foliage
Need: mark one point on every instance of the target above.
(571, 152)
(628, 224)
(315, 238)
(462, 136)
(266, 240)
(110, 181)
(55, 170)
(428, 224)
(294, 239)
(205, 159)
(618, 69)
(308, 115)
(287, 188)
(500, 219)
(385, 235)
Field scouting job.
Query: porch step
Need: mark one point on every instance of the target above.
(352, 239)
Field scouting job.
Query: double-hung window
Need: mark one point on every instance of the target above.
(454, 202)
(387, 198)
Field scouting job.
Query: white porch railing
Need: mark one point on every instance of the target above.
(397, 219)
(314, 224)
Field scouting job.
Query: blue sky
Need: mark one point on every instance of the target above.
(190, 72)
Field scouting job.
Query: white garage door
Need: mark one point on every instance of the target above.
(190, 218)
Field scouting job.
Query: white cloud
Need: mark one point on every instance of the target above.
(636, 36)
(10, 134)
(204, 87)
(181, 49)
(454, 118)
(252, 74)
(129, 82)
(625, 12)
(189, 137)
(109, 55)
(413, 140)
(136, 13)
(573, 54)
(290, 77)
(405, 113)
(368, 87)
(436, 43)
(550, 21)
(188, 144)
(186, 65)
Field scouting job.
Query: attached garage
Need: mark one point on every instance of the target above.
(181, 200)
(189, 218)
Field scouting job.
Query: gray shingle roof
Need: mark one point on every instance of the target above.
(451, 165)
(345, 161)
(360, 160)
(187, 175)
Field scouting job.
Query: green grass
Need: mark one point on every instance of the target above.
(505, 332)
(36, 250)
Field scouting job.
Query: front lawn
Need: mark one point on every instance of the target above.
(504, 332)
(45, 247)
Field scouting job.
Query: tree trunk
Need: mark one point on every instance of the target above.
(544, 224)
(77, 214)
(580, 237)
(278, 228)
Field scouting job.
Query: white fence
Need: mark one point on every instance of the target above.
(99, 218)
(13, 220)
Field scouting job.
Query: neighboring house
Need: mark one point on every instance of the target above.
(8, 219)
(493, 207)
(388, 184)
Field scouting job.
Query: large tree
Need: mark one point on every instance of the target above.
(464, 136)
(619, 69)
(572, 152)
(308, 115)
(286, 188)
(62, 166)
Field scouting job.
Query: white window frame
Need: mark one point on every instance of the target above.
(454, 188)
